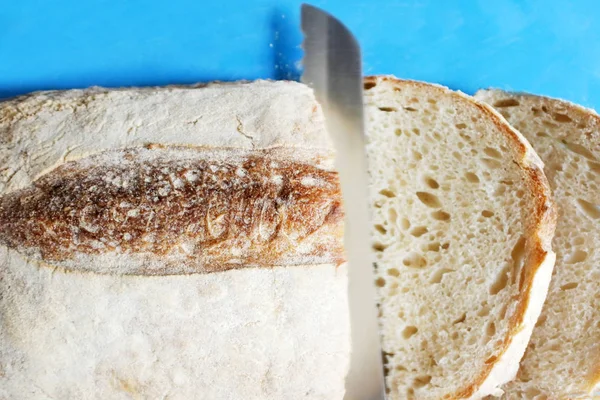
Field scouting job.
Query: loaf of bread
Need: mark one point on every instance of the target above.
(463, 221)
(170, 243)
(563, 358)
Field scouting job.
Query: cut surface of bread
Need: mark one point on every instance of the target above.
(171, 243)
(563, 357)
(463, 222)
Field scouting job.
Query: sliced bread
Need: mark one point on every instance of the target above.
(463, 223)
(563, 358)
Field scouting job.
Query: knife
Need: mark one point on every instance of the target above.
(333, 68)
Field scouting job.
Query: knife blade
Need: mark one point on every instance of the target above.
(333, 68)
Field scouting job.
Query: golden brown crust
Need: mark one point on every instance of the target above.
(543, 223)
(216, 210)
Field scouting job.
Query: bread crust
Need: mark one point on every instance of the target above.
(539, 256)
(209, 209)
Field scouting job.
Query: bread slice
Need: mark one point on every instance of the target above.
(463, 222)
(168, 243)
(563, 358)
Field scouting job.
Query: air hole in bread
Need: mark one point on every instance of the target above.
(379, 246)
(432, 183)
(465, 137)
(393, 272)
(414, 260)
(411, 109)
(432, 101)
(461, 126)
(471, 177)
(433, 246)
(589, 209)
(517, 254)
(438, 275)
(500, 282)
(460, 320)
(429, 199)
(491, 360)
(388, 109)
(418, 231)
(490, 329)
(579, 149)
(487, 213)
(549, 124)
(576, 257)
(381, 229)
(491, 163)
(568, 286)
(418, 156)
(380, 282)
(404, 223)
(440, 215)
(409, 332)
(594, 167)
(369, 85)
(398, 132)
(562, 118)
(555, 167)
(533, 393)
(421, 381)
(541, 320)
(445, 246)
(541, 134)
(506, 103)
(385, 359)
(484, 311)
(536, 111)
(545, 109)
(387, 193)
(436, 136)
(457, 155)
(492, 152)
(416, 131)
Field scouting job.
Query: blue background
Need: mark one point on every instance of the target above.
(549, 47)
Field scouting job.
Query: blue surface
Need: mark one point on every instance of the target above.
(542, 46)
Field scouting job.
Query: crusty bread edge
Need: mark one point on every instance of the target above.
(540, 262)
(593, 377)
